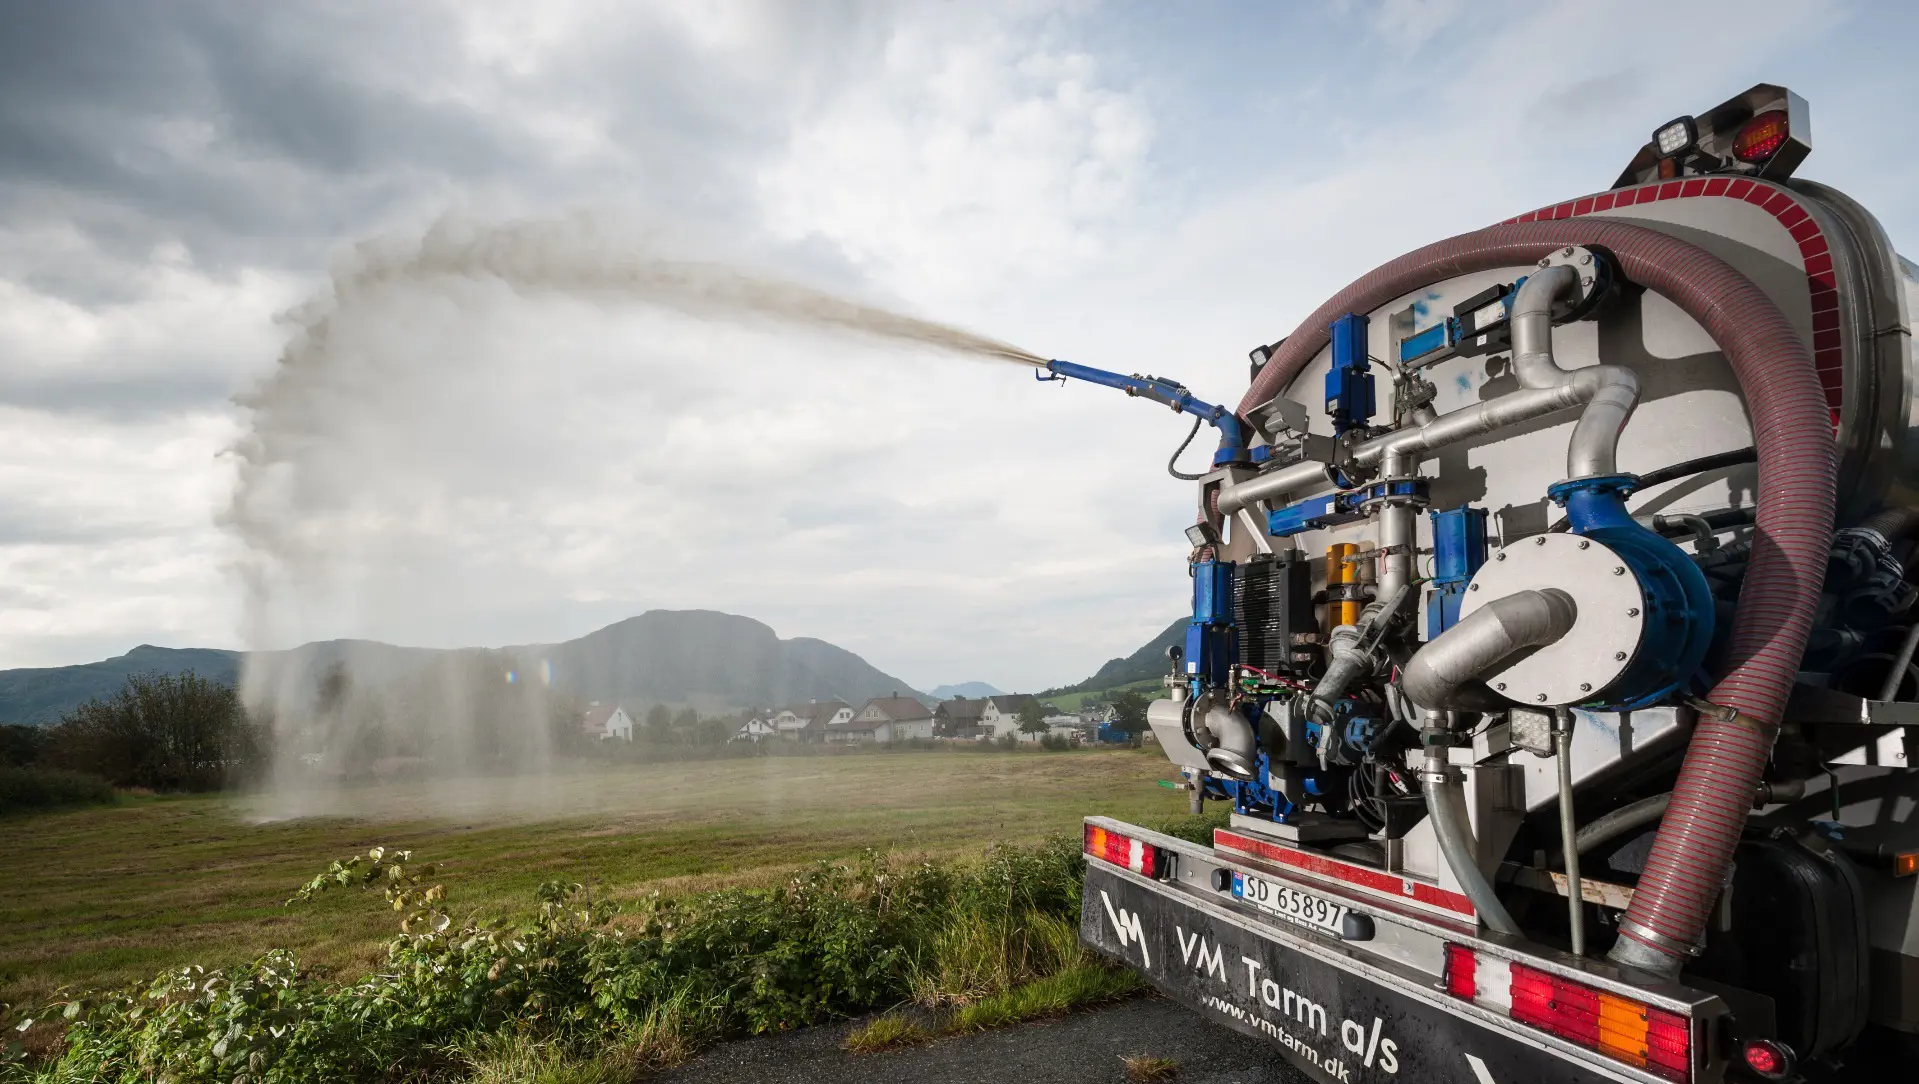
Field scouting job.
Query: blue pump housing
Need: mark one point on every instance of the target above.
(1679, 605)
(1255, 797)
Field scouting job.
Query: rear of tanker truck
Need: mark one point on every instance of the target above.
(1552, 646)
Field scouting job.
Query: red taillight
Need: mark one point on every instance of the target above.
(1768, 1059)
(1460, 970)
(1668, 1044)
(1761, 136)
(1618, 1027)
(1550, 1003)
(1122, 851)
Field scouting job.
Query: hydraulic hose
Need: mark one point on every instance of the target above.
(1792, 433)
(1894, 524)
(1446, 804)
(1633, 816)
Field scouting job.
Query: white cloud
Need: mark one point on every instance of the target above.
(510, 467)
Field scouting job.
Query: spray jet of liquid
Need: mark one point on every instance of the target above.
(542, 256)
(339, 395)
(569, 257)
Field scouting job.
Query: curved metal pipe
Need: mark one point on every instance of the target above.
(1594, 448)
(1446, 665)
(1446, 805)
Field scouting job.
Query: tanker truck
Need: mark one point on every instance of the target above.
(1552, 636)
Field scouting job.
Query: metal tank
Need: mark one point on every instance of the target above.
(1587, 533)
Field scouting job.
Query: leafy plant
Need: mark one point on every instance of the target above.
(574, 992)
(1147, 1068)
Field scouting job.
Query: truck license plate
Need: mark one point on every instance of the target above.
(1288, 903)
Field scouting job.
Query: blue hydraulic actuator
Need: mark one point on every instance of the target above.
(1459, 548)
(1349, 380)
(1209, 635)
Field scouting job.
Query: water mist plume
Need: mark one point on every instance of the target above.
(367, 373)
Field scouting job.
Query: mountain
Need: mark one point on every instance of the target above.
(42, 694)
(685, 656)
(972, 690)
(700, 657)
(1143, 665)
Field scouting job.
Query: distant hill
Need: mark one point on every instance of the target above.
(973, 690)
(1146, 663)
(686, 656)
(714, 660)
(43, 694)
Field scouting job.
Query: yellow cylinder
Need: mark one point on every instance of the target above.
(1342, 590)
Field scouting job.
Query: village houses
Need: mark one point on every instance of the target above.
(884, 719)
(806, 722)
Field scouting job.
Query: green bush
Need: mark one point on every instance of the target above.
(47, 788)
(834, 940)
(20, 745)
(160, 731)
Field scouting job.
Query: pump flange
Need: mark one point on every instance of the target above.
(1605, 636)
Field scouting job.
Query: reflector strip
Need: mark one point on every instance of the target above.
(1122, 851)
(1619, 1027)
(1335, 870)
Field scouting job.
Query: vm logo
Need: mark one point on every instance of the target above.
(1126, 927)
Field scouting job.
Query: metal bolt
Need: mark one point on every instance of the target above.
(1541, 698)
(1586, 282)
(1619, 656)
(1632, 611)
(1474, 587)
(1584, 544)
(1568, 251)
(1585, 687)
(1500, 557)
(1539, 540)
(1585, 258)
(1501, 686)
(1619, 570)
(1546, 263)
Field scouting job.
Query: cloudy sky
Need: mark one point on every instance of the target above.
(1138, 186)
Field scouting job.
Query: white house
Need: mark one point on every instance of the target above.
(1000, 716)
(788, 721)
(884, 719)
(604, 721)
(755, 729)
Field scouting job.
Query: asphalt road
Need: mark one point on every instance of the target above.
(1084, 1048)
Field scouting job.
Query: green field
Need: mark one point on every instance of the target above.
(99, 896)
(1151, 689)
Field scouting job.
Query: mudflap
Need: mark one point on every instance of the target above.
(1322, 1009)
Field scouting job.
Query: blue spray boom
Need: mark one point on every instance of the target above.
(1232, 431)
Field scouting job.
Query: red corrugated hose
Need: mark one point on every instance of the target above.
(1792, 432)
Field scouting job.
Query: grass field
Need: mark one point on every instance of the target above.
(100, 896)
(1152, 689)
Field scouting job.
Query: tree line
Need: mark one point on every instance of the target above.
(162, 732)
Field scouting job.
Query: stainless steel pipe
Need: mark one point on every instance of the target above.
(1594, 448)
(1446, 665)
